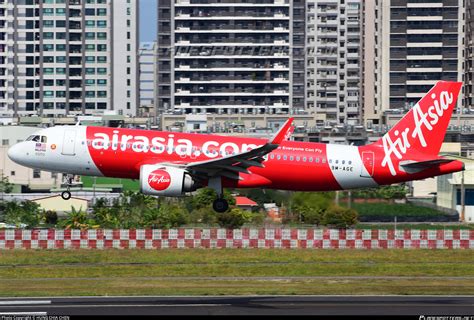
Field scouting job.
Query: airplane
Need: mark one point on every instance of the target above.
(173, 164)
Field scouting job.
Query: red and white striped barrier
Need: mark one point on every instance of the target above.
(239, 238)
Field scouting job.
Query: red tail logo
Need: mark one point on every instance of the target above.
(422, 129)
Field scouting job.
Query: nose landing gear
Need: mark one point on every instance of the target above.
(66, 195)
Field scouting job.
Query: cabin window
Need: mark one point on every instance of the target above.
(343, 161)
(292, 158)
(304, 159)
(324, 160)
(278, 157)
(285, 157)
(44, 139)
(350, 162)
(272, 156)
(317, 160)
(298, 159)
(310, 159)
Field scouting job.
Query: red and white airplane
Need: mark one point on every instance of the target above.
(173, 164)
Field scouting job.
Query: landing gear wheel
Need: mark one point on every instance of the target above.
(66, 195)
(220, 205)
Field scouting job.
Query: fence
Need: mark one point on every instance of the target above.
(239, 238)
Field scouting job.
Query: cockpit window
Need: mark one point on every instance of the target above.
(42, 139)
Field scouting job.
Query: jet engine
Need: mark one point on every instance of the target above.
(158, 180)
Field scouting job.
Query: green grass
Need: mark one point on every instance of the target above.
(394, 209)
(127, 183)
(231, 271)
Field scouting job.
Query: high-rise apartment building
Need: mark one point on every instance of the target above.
(469, 57)
(231, 57)
(334, 33)
(147, 61)
(422, 43)
(60, 57)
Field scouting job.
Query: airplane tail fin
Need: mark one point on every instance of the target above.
(423, 128)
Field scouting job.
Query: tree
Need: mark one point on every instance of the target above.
(168, 215)
(26, 212)
(5, 185)
(339, 217)
(50, 217)
(234, 218)
(308, 207)
(77, 219)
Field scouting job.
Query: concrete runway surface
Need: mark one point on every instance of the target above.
(242, 305)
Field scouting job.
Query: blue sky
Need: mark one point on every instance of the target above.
(148, 20)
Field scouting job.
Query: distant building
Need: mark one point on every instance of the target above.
(469, 57)
(333, 63)
(58, 204)
(245, 203)
(147, 57)
(231, 57)
(68, 57)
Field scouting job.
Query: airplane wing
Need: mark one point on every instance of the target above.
(231, 166)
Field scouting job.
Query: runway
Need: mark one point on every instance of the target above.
(241, 305)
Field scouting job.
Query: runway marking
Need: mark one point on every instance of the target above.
(23, 302)
(134, 305)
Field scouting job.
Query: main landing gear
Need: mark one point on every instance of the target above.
(220, 204)
(66, 195)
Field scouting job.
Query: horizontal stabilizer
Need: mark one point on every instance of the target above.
(417, 166)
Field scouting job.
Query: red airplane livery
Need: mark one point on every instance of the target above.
(173, 164)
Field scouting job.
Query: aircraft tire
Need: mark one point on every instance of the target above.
(66, 195)
(220, 205)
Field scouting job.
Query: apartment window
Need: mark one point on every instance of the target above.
(128, 11)
(101, 12)
(60, 12)
(61, 35)
(90, 35)
(90, 94)
(48, 70)
(48, 47)
(60, 94)
(102, 35)
(90, 105)
(48, 12)
(90, 23)
(101, 23)
(128, 105)
(129, 47)
(128, 70)
(102, 82)
(60, 59)
(90, 59)
(48, 35)
(90, 47)
(12, 173)
(90, 71)
(5, 142)
(90, 82)
(60, 47)
(60, 24)
(102, 94)
(60, 70)
(48, 59)
(36, 174)
(101, 70)
(90, 12)
(102, 59)
(101, 47)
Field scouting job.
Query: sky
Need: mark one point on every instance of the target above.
(148, 20)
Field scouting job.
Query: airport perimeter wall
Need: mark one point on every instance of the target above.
(266, 238)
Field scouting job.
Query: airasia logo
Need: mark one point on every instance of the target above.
(159, 180)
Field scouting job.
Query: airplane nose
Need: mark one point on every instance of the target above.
(14, 153)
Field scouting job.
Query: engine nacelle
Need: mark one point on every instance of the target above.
(165, 181)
